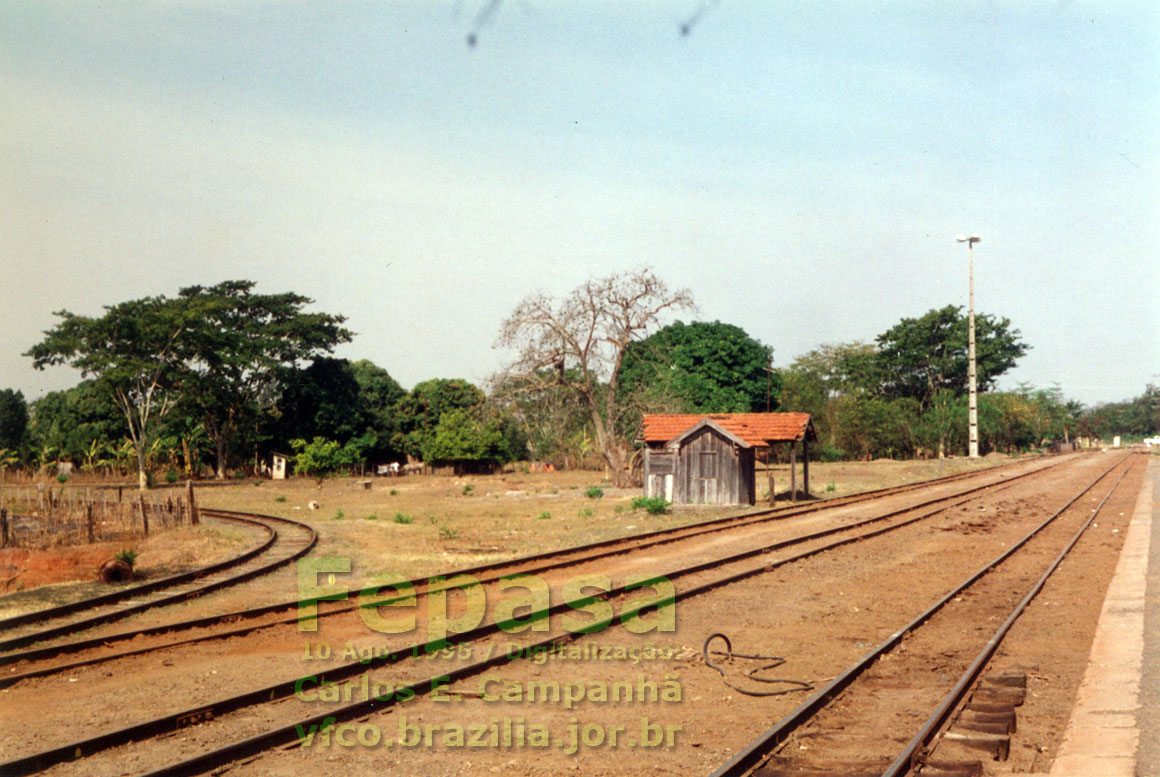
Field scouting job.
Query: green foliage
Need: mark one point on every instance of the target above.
(424, 407)
(918, 357)
(279, 498)
(1135, 417)
(13, 419)
(171, 476)
(372, 517)
(828, 453)
(128, 555)
(654, 505)
(831, 487)
(701, 367)
(460, 436)
(468, 489)
(595, 492)
(403, 518)
(544, 516)
(586, 513)
(321, 457)
(393, 492)
(445, 531)
(62, 478)
(339, 515)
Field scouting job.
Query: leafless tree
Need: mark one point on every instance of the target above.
(579, 342)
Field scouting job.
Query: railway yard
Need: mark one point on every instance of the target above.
(941, 628)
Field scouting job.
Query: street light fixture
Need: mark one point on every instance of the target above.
(972, 385)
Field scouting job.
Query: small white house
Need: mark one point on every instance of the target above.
(281, 463)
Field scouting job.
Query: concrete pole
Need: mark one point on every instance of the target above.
(972, 383)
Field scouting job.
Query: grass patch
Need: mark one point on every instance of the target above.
(372, 517)
(469, 489)
(279, 499)
(403, 518)
(544, 516)
(594, 493)
(654, 505)
(338, 515)
(586, 513)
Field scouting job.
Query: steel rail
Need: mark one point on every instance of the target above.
(759, 749)
(556, 562)
(182, 596)
(281, 735)
(917, 749)
(555, 559)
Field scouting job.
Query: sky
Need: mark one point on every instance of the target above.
(802, 167)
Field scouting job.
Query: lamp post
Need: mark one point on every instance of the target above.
(972, 385)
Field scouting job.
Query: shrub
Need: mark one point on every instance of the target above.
(62, 478)
(544, 516)
(468, 489)
(594, 493)
(403, 518)
(586, 513)
(393, 492)
(830, 453)
(831, 487)
(171, 476)
(279, 499)
(373, 517)
(128, 555)
(338, 515)
(654, 505)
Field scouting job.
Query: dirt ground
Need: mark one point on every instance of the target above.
(819, 613)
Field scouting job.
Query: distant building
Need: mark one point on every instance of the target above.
(281, 466)
(710, 458)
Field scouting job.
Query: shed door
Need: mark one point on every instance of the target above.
(707, 482)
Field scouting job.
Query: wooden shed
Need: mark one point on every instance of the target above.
(710, 459)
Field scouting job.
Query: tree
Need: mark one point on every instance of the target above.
(13, 419)
(81, 423)
(460, 436)
(420, 411)
(132, 351)
(702, 367)
(379, 396)
(581, 342)
(235, 346)
(322, 400)
(918, 357)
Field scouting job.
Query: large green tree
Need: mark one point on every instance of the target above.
(234, 347)
(133, 352)
(918, 357)
(702, 367)
(420, 411)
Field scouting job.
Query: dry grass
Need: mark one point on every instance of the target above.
(448, 522)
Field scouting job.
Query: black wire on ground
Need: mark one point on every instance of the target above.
(752, 674)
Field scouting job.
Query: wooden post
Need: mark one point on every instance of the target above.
(89, 520)
(144, 513)
(793, 471)
(3, 527)
(806, 466)
(119, 494)
(769, 475)
(194, 518)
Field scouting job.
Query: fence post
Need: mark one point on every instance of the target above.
(144, 514)
(89, 520)
(3, 527)
(194, 519)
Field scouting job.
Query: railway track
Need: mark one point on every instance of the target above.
(696, 579)
(285, 541)
(260, 617)
(861, 722)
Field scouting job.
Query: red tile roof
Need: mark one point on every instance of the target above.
(755, 428)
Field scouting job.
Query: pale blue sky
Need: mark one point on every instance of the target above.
(802, 167)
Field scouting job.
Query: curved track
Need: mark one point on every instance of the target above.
(285, 541)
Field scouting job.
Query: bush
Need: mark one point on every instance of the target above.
(468, 489)
(586, 513)
(338, 515)
(62, 478)
(171, 476)
(128, 555)
(322, 457)
(393, 492)
(373, 517)
(829, 453)
(279, 499)
(594, 493)
(653, 504)
(403, 518)
(544, 516)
